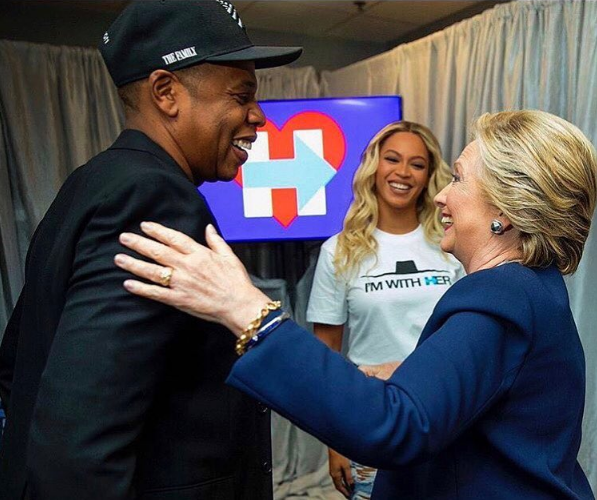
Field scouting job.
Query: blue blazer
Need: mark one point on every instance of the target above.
(489, 405)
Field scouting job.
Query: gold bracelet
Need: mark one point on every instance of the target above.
(249, 331)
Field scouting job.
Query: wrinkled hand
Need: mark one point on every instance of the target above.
(340, 473)
(383, 371)
(210, 283)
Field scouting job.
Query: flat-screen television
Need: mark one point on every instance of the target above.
(297, 182)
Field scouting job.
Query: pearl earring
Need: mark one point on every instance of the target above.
(496, 227)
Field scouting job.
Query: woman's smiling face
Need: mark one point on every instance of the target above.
(466, 214)
(402, 173)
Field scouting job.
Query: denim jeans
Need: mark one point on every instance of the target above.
(363, 481)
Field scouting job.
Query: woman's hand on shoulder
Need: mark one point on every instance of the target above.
(208, 282)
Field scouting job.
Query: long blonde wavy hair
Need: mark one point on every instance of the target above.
(356, 240)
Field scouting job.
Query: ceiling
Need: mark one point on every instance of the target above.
(373, 21)
(364, 21)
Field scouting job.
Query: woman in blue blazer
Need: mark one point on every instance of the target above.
(490, 403)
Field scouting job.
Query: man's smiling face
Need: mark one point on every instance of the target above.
(219, 120)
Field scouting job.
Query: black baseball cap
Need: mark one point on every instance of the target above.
(175, 34)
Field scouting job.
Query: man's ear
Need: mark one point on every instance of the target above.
(166, 92)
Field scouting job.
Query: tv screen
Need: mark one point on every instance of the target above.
(297, 182)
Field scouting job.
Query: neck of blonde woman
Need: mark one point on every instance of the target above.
(397, 221)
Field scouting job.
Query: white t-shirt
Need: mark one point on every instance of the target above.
(386, 304)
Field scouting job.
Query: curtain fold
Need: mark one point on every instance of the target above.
(539, 54)
(58, 108)
(11, 269)
(288, 83)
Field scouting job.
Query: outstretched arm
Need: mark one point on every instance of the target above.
(440, 390)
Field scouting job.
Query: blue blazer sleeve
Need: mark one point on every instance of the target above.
(470, 355)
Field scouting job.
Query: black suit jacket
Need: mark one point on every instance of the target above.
(110, 396)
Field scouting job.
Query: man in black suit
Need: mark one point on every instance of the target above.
(110, 396)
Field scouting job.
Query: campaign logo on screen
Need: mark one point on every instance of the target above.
(297, 181)
(289, 167)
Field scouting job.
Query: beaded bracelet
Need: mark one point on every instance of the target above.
(249, 331)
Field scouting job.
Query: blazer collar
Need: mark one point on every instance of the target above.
(136, 140)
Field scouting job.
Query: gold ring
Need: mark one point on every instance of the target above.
(166, 276)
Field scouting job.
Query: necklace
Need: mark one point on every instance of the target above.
(507, 261)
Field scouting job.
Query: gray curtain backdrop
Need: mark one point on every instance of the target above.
(527, 54)
(58, 108)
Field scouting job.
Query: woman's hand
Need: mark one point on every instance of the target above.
(210, 283)
(383, 371)
(340, 473)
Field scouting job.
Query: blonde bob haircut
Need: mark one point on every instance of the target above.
(356, 240)
(540, 171)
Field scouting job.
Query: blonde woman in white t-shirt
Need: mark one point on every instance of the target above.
(383, 274)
